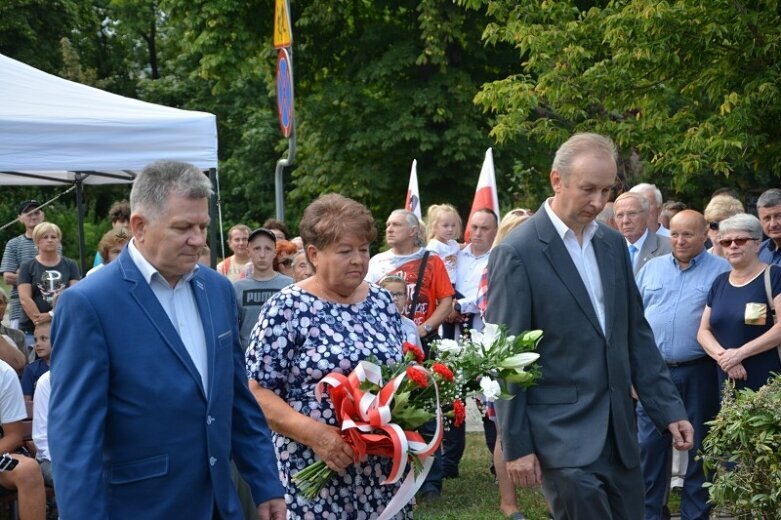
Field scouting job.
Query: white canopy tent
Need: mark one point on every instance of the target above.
(57, 132)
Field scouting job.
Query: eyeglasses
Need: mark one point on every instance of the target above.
(741, 241)
(628, 214)
(713, 225)
(287, 262)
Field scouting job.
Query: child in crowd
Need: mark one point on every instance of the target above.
(444, 227)
(263, 283)
(41, 427)
(33, 371)
(397, 288)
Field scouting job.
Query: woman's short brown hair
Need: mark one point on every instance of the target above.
(284, 248)
(333, 216)
(112, 238)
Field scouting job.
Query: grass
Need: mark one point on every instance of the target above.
(474, 495)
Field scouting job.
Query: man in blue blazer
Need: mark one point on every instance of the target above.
(569, 276)
(149, 401)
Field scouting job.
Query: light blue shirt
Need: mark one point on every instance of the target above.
(179, 304)
(769, 253)
(674, 301)
(584, 258)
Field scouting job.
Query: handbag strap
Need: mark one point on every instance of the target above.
(416, 291)
(769, 293)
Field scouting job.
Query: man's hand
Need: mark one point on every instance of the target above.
(525, 471)
(273, 509)
(683, 435)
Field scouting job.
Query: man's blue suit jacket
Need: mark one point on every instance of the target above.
(132, 432)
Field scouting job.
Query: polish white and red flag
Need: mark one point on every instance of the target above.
(486, 195)
(412, 203)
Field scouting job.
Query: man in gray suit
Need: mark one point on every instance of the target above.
(631, 214)
(569, 276)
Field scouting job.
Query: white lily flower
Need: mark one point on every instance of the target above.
(532, 335)
(519, 361)
(490, 388)
(449, 346)
(491, 333)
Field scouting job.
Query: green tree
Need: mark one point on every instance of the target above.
(692, 87)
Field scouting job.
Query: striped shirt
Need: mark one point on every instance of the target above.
(17, 251)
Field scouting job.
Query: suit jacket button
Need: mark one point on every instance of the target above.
(212, 461)
(209, 419)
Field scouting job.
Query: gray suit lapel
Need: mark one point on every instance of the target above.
(157, 316)
(646, 252)
(609, 261)
(561, 261)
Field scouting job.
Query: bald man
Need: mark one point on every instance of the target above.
(674, 288)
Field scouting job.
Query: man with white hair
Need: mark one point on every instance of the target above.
(429, 292)
(631, 215)
(404, 258)
(654, 197)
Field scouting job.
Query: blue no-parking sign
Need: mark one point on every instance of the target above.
(285, 92)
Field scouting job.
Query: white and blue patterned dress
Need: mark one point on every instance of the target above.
(299, 339)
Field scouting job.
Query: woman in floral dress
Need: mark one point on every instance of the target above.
(326, 323)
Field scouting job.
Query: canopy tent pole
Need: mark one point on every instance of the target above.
(215, 226)
(80, 212)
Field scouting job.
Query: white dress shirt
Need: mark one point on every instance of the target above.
(469, 269)
(584, 258)
(41, 416)
(179, 304)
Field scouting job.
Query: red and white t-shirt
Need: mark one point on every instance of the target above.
(435, 286)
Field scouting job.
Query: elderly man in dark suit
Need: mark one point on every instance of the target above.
(569, 276)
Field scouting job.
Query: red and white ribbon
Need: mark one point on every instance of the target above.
(366, 421)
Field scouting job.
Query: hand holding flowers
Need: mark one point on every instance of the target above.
(381, 408)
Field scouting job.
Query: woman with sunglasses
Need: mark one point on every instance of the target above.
(738, 328)
(286, 254)
(720, 207)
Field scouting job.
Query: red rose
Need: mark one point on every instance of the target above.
(418, 377)
(459, 413)
(443, 371)
(416, 352)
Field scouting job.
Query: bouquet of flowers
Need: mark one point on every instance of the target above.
(484, 362)
(382, 408)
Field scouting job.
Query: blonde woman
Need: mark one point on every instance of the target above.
(720, 207)
(43, 277)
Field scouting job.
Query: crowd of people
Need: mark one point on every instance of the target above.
(165, 372)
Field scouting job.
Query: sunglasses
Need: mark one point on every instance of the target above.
(287, 262)
(726, 242)
(713, 225)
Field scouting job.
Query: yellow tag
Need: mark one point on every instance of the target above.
(756, 314)
(283, 36)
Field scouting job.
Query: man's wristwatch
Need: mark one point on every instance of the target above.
(427, 328)
(457, 307)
